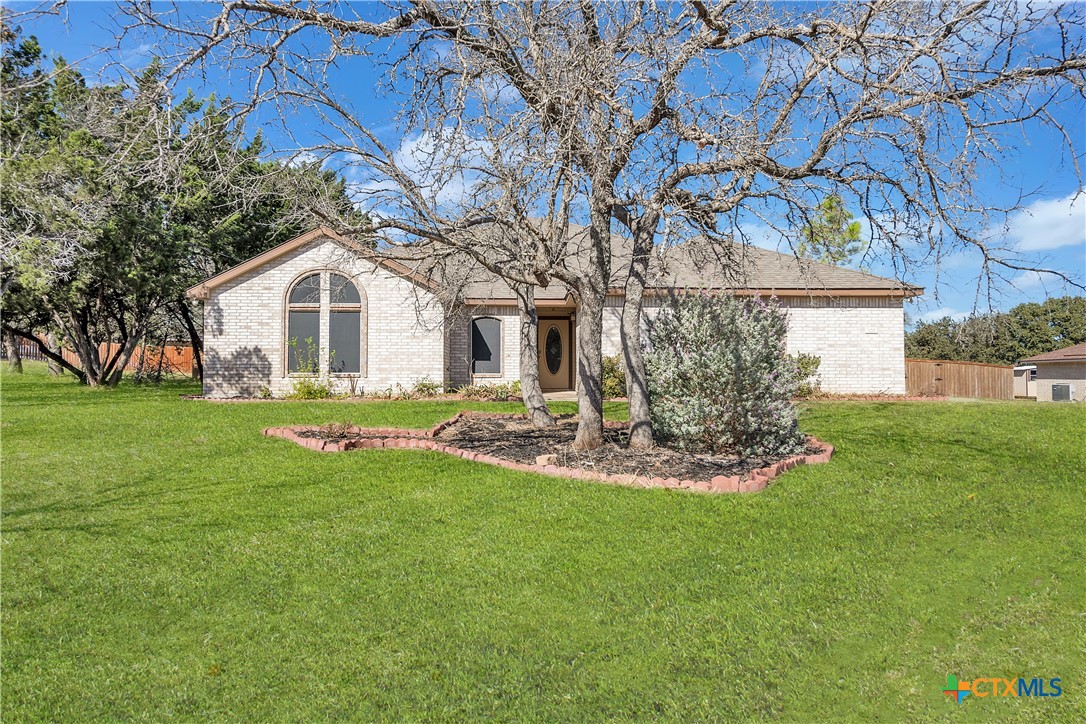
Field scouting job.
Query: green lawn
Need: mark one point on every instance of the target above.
(161, 559)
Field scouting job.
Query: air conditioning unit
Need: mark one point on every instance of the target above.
(1061, 393)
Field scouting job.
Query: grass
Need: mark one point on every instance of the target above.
(163, 560)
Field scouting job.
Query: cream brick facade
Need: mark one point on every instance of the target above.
(407, 336)
(245, 319)
(861, 340)
(459, 345)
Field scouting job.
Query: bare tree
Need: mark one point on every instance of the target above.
(690, 120)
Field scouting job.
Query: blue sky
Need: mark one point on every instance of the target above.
(1050, 231)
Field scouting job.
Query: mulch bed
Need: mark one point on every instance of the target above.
(513, 440)
(519, 441)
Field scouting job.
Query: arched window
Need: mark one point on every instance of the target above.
(304, 326)
(326, 325)
(486, 346)
(344, 326)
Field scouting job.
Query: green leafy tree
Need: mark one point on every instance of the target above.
(115, 198)
(1002, 337)
(831, 236)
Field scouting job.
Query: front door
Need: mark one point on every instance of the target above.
(555, 354)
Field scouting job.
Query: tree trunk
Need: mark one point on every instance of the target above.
(637, 388)
(77, 334)
(51, 342)
(141, 364)
(47, 352)
(538, 412)
(590, 370)
(591, 292)
(11, 349)
(115, 370)
(161, 358)
(194, 340)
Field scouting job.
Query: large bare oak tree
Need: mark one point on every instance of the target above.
(671, 120)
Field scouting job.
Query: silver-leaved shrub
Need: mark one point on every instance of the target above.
(719, 379)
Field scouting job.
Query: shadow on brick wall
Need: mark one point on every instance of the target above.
(239, 374)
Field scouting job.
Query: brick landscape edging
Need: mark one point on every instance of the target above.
(390, 437)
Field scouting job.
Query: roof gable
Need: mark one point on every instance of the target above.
(203, 289)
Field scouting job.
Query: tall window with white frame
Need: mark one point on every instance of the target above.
(326, 332)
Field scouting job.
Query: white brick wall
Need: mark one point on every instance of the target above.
(860, 340)
(459, 345)
(244, 321)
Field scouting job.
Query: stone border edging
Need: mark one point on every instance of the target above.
(390, 437)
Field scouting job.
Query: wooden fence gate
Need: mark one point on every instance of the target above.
(946, 378)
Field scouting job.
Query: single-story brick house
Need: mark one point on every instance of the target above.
(1061, 374)
(386, 323)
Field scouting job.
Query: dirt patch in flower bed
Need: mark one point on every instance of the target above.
(519, 441)
(510, 441)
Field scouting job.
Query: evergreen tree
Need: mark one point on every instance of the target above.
(831, 236)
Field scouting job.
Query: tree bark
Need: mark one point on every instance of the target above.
(194, 340)
(590, 370)
(538, 411)
(48, 353)
(11, 349)
(115, 370)
(140, 364)
(51, 342)
(591, 293)
(637, 388)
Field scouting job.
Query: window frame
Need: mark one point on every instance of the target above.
(324, 309)
(472, 374)
(359, 307)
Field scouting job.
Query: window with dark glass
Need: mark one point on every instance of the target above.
(552, 351)
(304, 326)
(342, 352)
(486, 341)
(344, 326)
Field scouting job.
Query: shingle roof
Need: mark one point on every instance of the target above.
(1074, 353)
(698, 264)
(694, 264)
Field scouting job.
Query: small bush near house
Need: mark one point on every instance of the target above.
(501, 391)
(807, 366)
(310, 388)
(614, 377)
(719, 380)
(426, 387)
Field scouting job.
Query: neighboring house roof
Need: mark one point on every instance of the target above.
(692, 265)
(1074, 353)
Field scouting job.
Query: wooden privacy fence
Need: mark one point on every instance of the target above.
(936, 377)
(175, 359)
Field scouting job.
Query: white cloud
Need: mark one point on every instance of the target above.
(1049, 224)
(955, 314)
(1031, 281)
(764, 236)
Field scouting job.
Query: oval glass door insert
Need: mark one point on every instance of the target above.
(553, 351)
